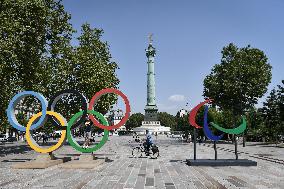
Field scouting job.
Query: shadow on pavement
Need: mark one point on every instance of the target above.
(266, 144)
(96, 154)
(137, 157)
(16, 160)
(274, 146)
(20, 149)
(7, 149)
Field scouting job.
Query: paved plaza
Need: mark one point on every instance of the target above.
(169, 171)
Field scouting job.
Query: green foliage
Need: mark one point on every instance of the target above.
(228, 119)
(135, 120)
(36, 54)
(182, 123)
(240, 79)
(166, 119)
(255, 124)
(30, 31)
(94, 68)
(280, 94)
(272, 112)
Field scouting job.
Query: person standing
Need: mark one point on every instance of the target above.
(189, 138)
(87, 133)
(88, 129)
(44, 138)
(200, 140)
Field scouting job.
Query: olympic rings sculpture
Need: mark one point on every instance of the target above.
(208, 133)
(39, 119)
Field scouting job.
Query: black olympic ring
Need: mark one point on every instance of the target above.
(54, 99)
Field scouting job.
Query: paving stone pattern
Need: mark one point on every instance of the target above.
(168, 171)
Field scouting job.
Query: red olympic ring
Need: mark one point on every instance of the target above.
(95, 99)
(192, 114)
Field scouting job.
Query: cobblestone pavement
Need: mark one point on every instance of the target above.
(168, 171)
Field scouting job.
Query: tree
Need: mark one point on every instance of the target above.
(240, 79)
(273, 114)
(32, 33)
(183, 125)
(166, 119)
(87, 68)
(280, 94)
(135, 120)
(94, 69)
(36, 54)
(255, 125)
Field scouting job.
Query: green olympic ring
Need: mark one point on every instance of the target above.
(73, 142)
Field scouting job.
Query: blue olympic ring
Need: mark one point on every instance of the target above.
(16, 99)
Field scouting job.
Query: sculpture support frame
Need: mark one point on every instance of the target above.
(208, 133)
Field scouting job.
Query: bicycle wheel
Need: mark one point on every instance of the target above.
(154, 152)
(136, 152)
(154, 155)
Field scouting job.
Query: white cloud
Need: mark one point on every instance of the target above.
(177, 98)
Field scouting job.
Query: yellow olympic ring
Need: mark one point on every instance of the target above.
(31, 141)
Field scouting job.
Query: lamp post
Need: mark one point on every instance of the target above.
(194, 137)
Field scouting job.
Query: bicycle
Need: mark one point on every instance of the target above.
(139, 150)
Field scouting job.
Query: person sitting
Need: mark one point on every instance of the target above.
(149, 142)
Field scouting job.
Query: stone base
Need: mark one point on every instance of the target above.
(42, 161)
(221, 162)
(151, 113)
(86, 161)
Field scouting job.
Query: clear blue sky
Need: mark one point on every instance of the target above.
(188, 36)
